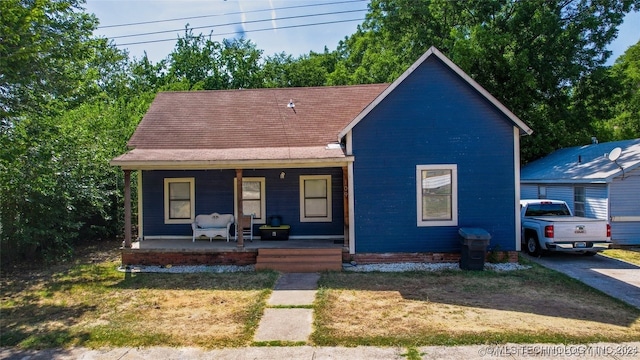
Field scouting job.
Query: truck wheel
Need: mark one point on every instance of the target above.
(533, 248)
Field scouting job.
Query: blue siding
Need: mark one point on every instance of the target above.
(214, 193)
(597, 202)
(625, 201)
(433, 117)
(528, 191)
(561, 192)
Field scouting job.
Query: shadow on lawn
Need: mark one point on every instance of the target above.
(240, 281)
(41, 325)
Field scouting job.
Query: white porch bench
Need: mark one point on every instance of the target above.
(212, 225)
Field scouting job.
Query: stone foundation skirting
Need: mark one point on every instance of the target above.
(380, 258)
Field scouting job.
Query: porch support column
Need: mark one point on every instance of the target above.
(345, 204)
(240, 243)
(127, 209)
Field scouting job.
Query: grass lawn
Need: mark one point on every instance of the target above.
(452, 308)
(91, 304)
(94, 305)
(631, 255)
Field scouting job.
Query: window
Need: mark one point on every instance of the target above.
(315, 198)
(253, 198)
(437, 195)
(542, 192)
(579, 198)
(179, 200)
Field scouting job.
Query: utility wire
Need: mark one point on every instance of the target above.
(240, 22)
(248, 31)
(233, 13)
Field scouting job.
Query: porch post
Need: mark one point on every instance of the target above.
(240, 243)
(127, 208)
(345, 204)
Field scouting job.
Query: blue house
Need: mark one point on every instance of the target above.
(592, 184)
(388, 171)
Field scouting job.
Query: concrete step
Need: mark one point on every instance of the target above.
(299, 260)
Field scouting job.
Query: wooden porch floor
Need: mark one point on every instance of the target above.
(221, 245)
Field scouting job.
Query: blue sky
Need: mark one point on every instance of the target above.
(273, 25)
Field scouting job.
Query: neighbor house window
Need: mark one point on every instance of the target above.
(542, 192)
(579, 198)
(179, 200)
(253, 198)
(437, 195)
(315, 198)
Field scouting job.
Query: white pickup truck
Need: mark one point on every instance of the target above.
(549, 225)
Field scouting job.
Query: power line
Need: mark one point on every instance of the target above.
(240, 22)
(256, 30)
(233, 13)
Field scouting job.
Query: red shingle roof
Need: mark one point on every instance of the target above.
(257, 118)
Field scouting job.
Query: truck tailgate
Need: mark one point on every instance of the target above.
(575, 228)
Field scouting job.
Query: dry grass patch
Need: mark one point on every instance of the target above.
(453, 307)
(94, 305)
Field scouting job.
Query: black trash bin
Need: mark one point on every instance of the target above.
(474, 248)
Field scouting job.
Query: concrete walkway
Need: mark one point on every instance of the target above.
(613, 277)
(288, 316)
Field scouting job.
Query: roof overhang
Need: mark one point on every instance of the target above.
(247, 158)
(565, 181)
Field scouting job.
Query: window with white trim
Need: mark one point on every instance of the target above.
(253, 198)
(437, 195)
(579, 198)
(315, 198)
(179, 200)
(542, 192)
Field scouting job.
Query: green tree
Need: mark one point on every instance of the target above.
(313, 69)
(240, 60)
(196, 62)
(529, 54)
(61, 124)
(275, 70)
(625, 122)
(44, 49)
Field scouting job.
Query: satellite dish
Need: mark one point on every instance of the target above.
(615, 154)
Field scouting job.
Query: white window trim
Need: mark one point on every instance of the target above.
(192, 199)
(329, 216)
(263, 198)
(582, 212)
(454, 195)
(542, 192)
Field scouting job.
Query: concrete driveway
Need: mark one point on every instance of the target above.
(616, 278)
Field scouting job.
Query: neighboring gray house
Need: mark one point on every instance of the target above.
(592, 184)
